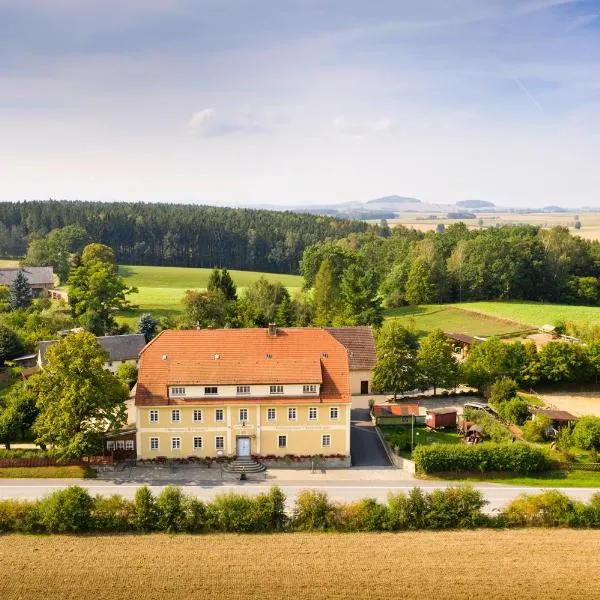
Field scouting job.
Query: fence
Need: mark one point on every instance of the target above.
(579, 466)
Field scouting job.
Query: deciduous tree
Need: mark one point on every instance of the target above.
(436, 361)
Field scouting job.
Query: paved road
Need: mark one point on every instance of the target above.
(342, 491)
(365, 447)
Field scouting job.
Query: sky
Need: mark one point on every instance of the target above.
(240, 102)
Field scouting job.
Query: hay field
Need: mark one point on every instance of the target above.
(162, 288)
(503, 565)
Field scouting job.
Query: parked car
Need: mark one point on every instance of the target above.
(481, 406)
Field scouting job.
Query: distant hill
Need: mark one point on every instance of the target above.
(394, 200)
(554, 209)
(475, 204)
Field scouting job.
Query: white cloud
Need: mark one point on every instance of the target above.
(361, 127)
(199, 119)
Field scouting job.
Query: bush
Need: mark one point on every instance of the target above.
(145, 514)
(113, 513)
(66, 511)
(492, 428)
(407, 511)
(455, 508)
(586, 433)
(314, 512)
(171, 510)
(535, 429)
(515, 410)
(19, 516)
(502, 391)
(512, 457)
(399, 440)
(364, 515)
(548, 509)
(232, 513)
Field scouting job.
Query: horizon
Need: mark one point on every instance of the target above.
(299, 104)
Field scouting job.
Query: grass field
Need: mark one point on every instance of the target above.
(452, 320)
(46, 472)
(553, 479)
(483, 564)
(162, 288)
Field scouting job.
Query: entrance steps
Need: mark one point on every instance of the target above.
(244, 465)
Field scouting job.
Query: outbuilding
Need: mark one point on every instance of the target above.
(440, 418)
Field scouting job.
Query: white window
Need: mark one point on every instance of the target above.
(243, 414)
(128, 444)
(282, 441)
(220, 442)
(271, 414)
(312, 413)
(219, 414)
(211, 391)
(175, 416)
(154, 443)
(276, 389)
(197, 415)
(326, 441)
(120, 444)
(334, 413)
(175, 443)
(309, 389)
(177, 391)
(291, 414)
(110, 445)
(197, 443)
(153, 416)
(243, 389)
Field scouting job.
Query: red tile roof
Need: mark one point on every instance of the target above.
(245, 356)
(396, 410)
(360, 343)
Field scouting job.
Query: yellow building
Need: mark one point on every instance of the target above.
(243, 392)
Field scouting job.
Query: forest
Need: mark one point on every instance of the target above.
(175, 234)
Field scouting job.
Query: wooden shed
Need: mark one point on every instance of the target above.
(440, 418)
(397, 414)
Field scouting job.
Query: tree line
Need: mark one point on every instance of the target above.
(173, 234)
(404, 266)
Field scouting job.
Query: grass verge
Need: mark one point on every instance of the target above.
(69, 472)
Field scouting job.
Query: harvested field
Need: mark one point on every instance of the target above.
(483, 564)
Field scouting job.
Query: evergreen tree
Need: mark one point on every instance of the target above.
(147, 325)
(436, 362)
(20, 292)
(228, 287)
(360, 299)
(214, 281)
(396, 367)
(326, 295)
(285, 315)
(10, 344)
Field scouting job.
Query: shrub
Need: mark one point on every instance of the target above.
(399, 440)
(512, 457)
(314, 512)
(145, 514)
(270, 510)
(455, 508)
(113, 513)
(19, 516)
(502, 390)
(66, 511)
(195, 515)
(515, 410)
(171, 509)
(232, 513)
(535, 429)
(492, 428)
(586, 433)
(364, 515)
(548, 509)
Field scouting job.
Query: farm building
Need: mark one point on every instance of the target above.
(397, 414)
(461, 342)
(558, 418)
(41, 279)
(438, 418)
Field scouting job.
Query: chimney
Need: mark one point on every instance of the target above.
(272, 331)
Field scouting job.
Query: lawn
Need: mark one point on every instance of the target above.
(535, 313)
(70, 472)
(398, 434)
(452, 565)
(452, 320)
(162, 288)
(560, 479)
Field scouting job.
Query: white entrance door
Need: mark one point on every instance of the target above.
(243, 446)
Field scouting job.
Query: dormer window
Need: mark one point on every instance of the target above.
(177, 391)
(211, 391)
(269, 355)
(243, 390)
(276, 389)
(309, 389)
(324, 355)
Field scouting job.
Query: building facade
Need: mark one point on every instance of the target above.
(243, 392)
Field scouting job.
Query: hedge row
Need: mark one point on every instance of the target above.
(515, 457)
(73, 510)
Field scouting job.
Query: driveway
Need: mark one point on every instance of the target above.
(365, 447)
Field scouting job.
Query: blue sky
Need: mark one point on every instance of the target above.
(300, 101)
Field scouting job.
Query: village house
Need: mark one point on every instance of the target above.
(41, 279)
(120, 348)
(243, 392)
(362, 356)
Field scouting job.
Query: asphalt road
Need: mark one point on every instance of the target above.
(365, 447)
(342, 491)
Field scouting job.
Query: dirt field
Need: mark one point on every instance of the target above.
(577, 403)
(502, 565)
